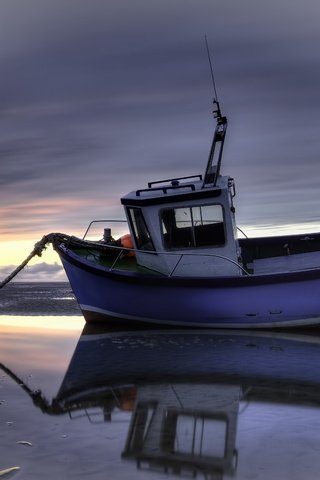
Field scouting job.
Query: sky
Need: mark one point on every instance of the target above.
(98, 97)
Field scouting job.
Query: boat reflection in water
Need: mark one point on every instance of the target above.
(183, 427)
(204, 404)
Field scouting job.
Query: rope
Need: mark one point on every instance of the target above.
(37, 250)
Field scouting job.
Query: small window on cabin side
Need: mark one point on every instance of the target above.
(190, 227)
(140, 230)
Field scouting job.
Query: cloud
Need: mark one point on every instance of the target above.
(98, 98)
(41, 272)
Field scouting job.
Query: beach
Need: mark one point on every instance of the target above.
(87, 402)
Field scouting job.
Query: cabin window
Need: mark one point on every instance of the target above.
(190, 227)
(141, 233)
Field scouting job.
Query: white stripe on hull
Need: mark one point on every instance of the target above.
(279, 324)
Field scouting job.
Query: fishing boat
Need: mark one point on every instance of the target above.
(182, 263)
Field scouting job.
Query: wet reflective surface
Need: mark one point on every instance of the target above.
(152, 404)
(81, 402)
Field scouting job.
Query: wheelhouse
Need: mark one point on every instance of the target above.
(180, 225)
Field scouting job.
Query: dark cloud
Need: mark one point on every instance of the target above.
(97, 98)
(40, 272)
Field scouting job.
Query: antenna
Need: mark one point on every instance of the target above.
(211, 70)
(215, 156)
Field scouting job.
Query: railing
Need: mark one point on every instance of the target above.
(101, 221)
(165, 188)
(208, 255)
(173, 254)
(149, 252)
(174, 180)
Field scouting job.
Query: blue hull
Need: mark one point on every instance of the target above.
(257, 301)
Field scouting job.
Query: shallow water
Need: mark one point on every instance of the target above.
(38, 299)
(153, 404)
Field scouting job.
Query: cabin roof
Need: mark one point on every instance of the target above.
(173, 190)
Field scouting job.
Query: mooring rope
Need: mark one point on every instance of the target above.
(37, 250)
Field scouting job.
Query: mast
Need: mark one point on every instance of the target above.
(215, 156)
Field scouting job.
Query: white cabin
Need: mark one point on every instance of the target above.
(185, 226)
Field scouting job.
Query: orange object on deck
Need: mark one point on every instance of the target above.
(126, 242)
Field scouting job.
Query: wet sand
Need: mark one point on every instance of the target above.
(80, 402)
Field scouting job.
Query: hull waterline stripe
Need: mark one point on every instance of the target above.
(283, 323)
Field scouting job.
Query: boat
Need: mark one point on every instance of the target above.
(182, 263)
